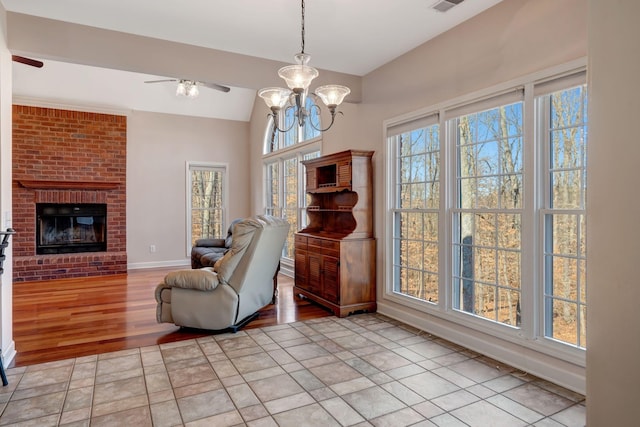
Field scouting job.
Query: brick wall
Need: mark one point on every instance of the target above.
(56, 147)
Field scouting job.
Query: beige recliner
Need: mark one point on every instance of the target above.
(230, 294)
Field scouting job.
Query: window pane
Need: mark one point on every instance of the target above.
(290, 195)
(509, 307)
(272, 188)
(206, 202)
(416, 232)
(565, 232)
(487, 278)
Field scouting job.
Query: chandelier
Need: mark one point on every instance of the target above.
(298, 77)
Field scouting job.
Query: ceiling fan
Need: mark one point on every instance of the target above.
(27, 61)
(189, 88)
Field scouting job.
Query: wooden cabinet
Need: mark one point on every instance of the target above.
(335, 253)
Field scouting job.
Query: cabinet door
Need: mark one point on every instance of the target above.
(312, 182)
(344, 173)
(331, 279)
(301, 269)
(314, 276)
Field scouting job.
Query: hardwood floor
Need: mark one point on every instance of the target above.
(64, 318)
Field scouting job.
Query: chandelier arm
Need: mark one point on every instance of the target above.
(333, 117)
(274, 116)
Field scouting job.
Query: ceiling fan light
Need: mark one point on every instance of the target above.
(193, 91)
(181, 90)
(274, 96)
(332, 95)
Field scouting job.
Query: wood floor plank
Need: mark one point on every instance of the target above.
(58, 319)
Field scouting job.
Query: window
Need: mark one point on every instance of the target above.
(487, 213)
(564, 136)
(206, 204)
(415, 216)
(486, 190)
(284, 172)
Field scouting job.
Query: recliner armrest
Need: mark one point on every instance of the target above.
(203, 279)
(210, 243)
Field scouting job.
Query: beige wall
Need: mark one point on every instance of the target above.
(158, 147)
(613, 214)
(6, 291)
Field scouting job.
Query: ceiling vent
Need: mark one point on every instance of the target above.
(444, 5)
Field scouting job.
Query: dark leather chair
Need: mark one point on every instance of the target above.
(206, 252)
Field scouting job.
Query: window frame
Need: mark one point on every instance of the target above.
(396, 264)
(543, 108)
(189, 166)
(531, 333)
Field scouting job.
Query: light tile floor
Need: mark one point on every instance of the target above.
(362, 370)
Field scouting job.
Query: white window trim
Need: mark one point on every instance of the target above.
(458, 326)
(225, 195)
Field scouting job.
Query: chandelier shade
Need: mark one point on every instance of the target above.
(275, 96)
(332, 95)
(298, 78)
(300, 75)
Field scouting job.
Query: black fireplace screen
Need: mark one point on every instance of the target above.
(71, 228)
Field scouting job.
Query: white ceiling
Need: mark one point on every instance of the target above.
(349, 36)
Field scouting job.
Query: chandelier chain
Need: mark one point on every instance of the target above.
(302, 28)
(298, 78)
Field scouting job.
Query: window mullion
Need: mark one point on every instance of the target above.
(530, 225)
(447, 193)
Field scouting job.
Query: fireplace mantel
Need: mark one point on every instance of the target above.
(68, 185)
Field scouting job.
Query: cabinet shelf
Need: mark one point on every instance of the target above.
(338, 209)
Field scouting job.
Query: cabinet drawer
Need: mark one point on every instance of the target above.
(301, 241)
(331, 245)
(314, 241)
(331, 248)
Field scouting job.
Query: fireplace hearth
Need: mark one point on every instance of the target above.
(71, 228)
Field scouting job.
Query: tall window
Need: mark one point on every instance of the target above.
(206, 202)
(417, 204)
(284, 172)
(564, 135)
(488, 213)
(484, 191)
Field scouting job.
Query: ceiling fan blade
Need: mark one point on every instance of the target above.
(161, 81)
(215, 86)
(27, 61)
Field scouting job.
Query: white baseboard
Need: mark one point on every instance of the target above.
(8, 354)
(159, 264)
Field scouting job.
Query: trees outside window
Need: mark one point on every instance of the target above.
(488, 213)
(206, 202)
(506, 178)
(416, 211)
(564, 135)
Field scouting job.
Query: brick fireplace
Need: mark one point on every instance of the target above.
(71, 158)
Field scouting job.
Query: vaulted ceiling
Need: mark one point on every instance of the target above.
(352, 37)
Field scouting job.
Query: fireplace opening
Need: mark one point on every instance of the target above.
(71, 228)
